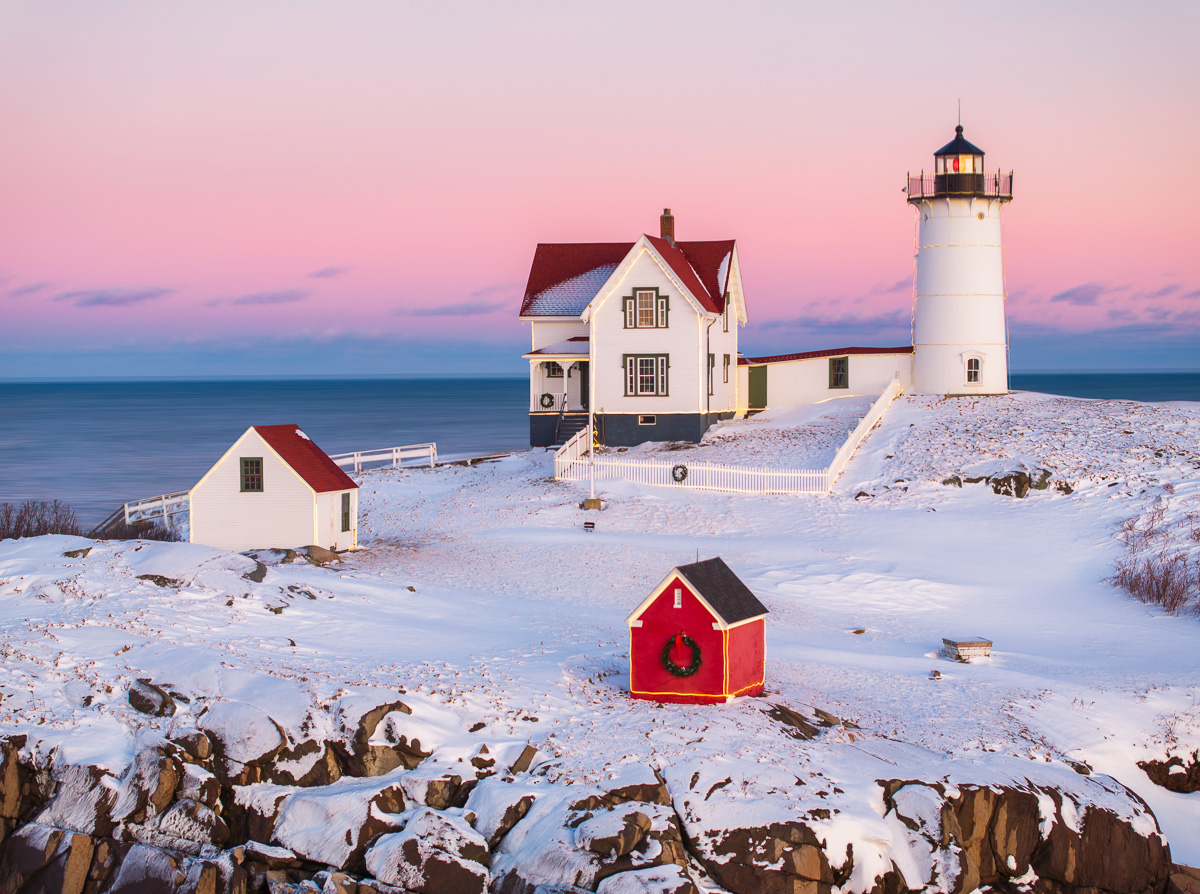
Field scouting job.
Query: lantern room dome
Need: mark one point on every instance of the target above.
(959, 145)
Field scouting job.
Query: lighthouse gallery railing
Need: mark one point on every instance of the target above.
(990, 186)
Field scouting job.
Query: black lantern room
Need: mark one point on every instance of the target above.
(958, 171)
(958, 167)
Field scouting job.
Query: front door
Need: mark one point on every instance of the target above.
(584, 384)
(758, 388)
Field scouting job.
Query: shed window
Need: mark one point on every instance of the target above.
(345, 512)
(974, 367)
(678, 597)
(252, 474)
(839, 372)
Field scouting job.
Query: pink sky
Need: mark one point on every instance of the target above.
(172, 176)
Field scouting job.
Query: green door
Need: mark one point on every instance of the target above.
(758, 388)
(585, 384)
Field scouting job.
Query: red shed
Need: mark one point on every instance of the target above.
(698, 638)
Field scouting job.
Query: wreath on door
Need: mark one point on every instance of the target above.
(547, 400)
(677, 640)
(679, 473)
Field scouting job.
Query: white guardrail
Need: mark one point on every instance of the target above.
(571, 464)
(164, 506)
(395, 456)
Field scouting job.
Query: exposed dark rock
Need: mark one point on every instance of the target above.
(1184, 880)
(144, 696)
(257, 575)
(77, 553)
(362, 758)
(39, 858)
(83, 801)
(952, 481)
(524, 760)
(1012, 484)
(324, 770)
(434, 854)
(794, 725)
(618, 842)
(159, 581)
(195, 744)
(1174, 774)
(665, 879)
(148, 786)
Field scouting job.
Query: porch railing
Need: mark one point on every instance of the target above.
(393, 456)
(571, 464)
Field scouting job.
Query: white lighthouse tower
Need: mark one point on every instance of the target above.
(960, 339)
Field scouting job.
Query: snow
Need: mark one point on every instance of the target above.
(476, 599)
(301, 434)
(571, 296)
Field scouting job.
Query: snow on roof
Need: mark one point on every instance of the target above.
(723, 590)
(565, 277)
(834, 352)
(577, 344)
(308, 460)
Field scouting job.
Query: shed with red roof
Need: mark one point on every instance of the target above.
(275, 488)
(698, 638)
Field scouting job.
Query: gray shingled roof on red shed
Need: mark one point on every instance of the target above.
(308, 460)
(723, 590)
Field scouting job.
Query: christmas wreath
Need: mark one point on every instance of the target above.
(678, 639)
(547, 400)
(679, 473)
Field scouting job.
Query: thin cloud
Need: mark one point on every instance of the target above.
(1192, 295)
(111, 297)
(461, 309)
(284, 296)
(329, 272)
(1085, 294)
(901, 285)
(31, 289)
(496, 288)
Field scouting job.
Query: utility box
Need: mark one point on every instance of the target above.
(968, 648)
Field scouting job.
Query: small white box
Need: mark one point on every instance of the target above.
(967, 648)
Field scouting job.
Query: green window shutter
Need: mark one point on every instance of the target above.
(627, 312)
(664, 311)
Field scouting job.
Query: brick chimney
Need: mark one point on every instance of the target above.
(666, 226)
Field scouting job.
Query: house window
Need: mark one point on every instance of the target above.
(554, 370)
(712, 365)
(725, 373)
(345, 512)
(252, 474)
(647, 420)
(646, 309)
(974, 367)
(678, 598)
(646, 374)
(839, 372)
(725, 314)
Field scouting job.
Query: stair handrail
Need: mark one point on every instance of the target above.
(562, 410)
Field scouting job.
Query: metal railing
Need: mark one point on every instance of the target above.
(996, 185)
(395, 456)
(571, 464)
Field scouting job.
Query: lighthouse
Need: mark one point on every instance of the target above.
(960, 337)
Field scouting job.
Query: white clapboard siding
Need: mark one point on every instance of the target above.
(682, 340)
(283, 515)
(329, 520)
(549, 332)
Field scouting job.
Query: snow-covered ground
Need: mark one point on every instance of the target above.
(478, 593)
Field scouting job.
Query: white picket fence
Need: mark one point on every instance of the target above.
(395, 456)
(571, 464)
(165, 507)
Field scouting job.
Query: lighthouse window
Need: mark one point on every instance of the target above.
(839, 372)
(973, 369)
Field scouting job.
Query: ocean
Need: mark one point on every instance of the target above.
(97, 445)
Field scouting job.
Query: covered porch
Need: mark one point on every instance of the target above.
(559, 389)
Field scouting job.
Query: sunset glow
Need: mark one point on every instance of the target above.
(212, 189)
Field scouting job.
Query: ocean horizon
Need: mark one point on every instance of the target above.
(99, 443)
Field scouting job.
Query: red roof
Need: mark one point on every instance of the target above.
(308, 460)
(565, 277)
(811, 355)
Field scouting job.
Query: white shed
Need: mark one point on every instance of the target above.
(275, 488)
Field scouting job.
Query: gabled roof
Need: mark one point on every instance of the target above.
(565, 277)
(723, 590)
(835, 352)
(307, 460)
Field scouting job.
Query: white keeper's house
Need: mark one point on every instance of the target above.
(645, 334)
(275, 488)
